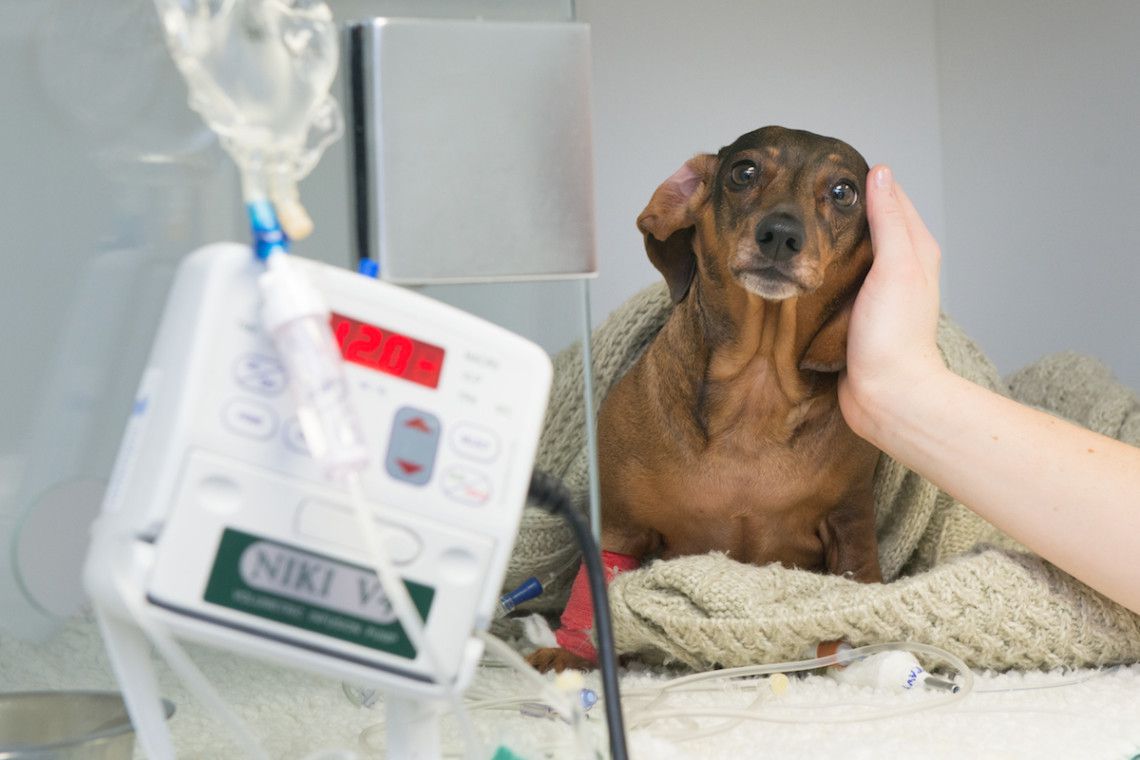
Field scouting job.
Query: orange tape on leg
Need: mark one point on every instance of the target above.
(578, 617)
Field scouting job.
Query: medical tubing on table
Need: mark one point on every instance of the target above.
(546, 691)
(840, 658)
(549, 493)
(646, 715)
(545, 688)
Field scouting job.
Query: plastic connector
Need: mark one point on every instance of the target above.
(268, 237)
(296, 317)
(369, 268)
(896, 671)
(529, 589)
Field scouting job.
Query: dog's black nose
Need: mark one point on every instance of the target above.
(780, 236)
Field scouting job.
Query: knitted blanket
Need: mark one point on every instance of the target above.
(950, 578)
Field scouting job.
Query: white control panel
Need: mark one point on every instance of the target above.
(238, 539)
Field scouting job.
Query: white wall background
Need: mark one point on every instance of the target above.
(1041, 162)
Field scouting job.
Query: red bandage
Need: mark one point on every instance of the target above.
(578, 617)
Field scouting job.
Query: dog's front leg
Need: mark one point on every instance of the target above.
(622, 549)
(848, 535)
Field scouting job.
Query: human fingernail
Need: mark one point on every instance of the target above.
(883, 177)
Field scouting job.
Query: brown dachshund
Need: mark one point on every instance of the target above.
(726, 434)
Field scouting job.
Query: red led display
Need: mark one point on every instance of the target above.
(387, 351)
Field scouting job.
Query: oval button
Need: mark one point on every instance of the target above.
(475, 442)
(466, 485)
(249, 418)
(336, 524)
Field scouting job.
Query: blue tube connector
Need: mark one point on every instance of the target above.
(268, 237)
(369, 268)
(529, 589)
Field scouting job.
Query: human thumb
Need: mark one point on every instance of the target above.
(889, 232)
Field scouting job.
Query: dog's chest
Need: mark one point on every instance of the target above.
(759, 494)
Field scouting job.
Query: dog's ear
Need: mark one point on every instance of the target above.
(667, 223)
(827, 351)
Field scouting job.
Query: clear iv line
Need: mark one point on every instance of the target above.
(297, 319)
(295, 316)
(390, 581)
(646, 715)
(190, 674)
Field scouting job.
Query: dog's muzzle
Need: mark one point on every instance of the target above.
(780, 236)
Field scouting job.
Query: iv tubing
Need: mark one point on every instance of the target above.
(547, 693)
(646, 715)
(181, 663)
(390, 582)
(271, 242)
(545, 688)
(404, 608)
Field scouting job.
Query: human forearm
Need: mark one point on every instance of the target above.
(1071, 495)
(1068, 494)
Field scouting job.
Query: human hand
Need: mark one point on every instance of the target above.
(891, 340)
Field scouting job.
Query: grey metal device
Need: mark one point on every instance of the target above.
(470, 149)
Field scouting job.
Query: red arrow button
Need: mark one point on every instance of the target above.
(409, 468)
(417, 423)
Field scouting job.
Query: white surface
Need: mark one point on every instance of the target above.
(295, 714)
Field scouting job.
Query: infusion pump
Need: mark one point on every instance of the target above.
(219, 524)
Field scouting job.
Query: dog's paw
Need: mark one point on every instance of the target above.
(557, 659)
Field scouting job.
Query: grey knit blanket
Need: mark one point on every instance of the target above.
(950, 578)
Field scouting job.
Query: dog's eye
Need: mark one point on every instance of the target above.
(844, 194)
(743, 173)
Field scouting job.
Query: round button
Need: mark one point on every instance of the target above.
(295, 437)
(219, 494)
(338, 524)
(260, 374)
(474, 442)
(458, 566)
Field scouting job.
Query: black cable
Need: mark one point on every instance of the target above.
(548, 492)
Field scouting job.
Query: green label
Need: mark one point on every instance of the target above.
(310, 591)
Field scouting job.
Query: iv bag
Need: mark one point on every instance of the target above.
(259, 73)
